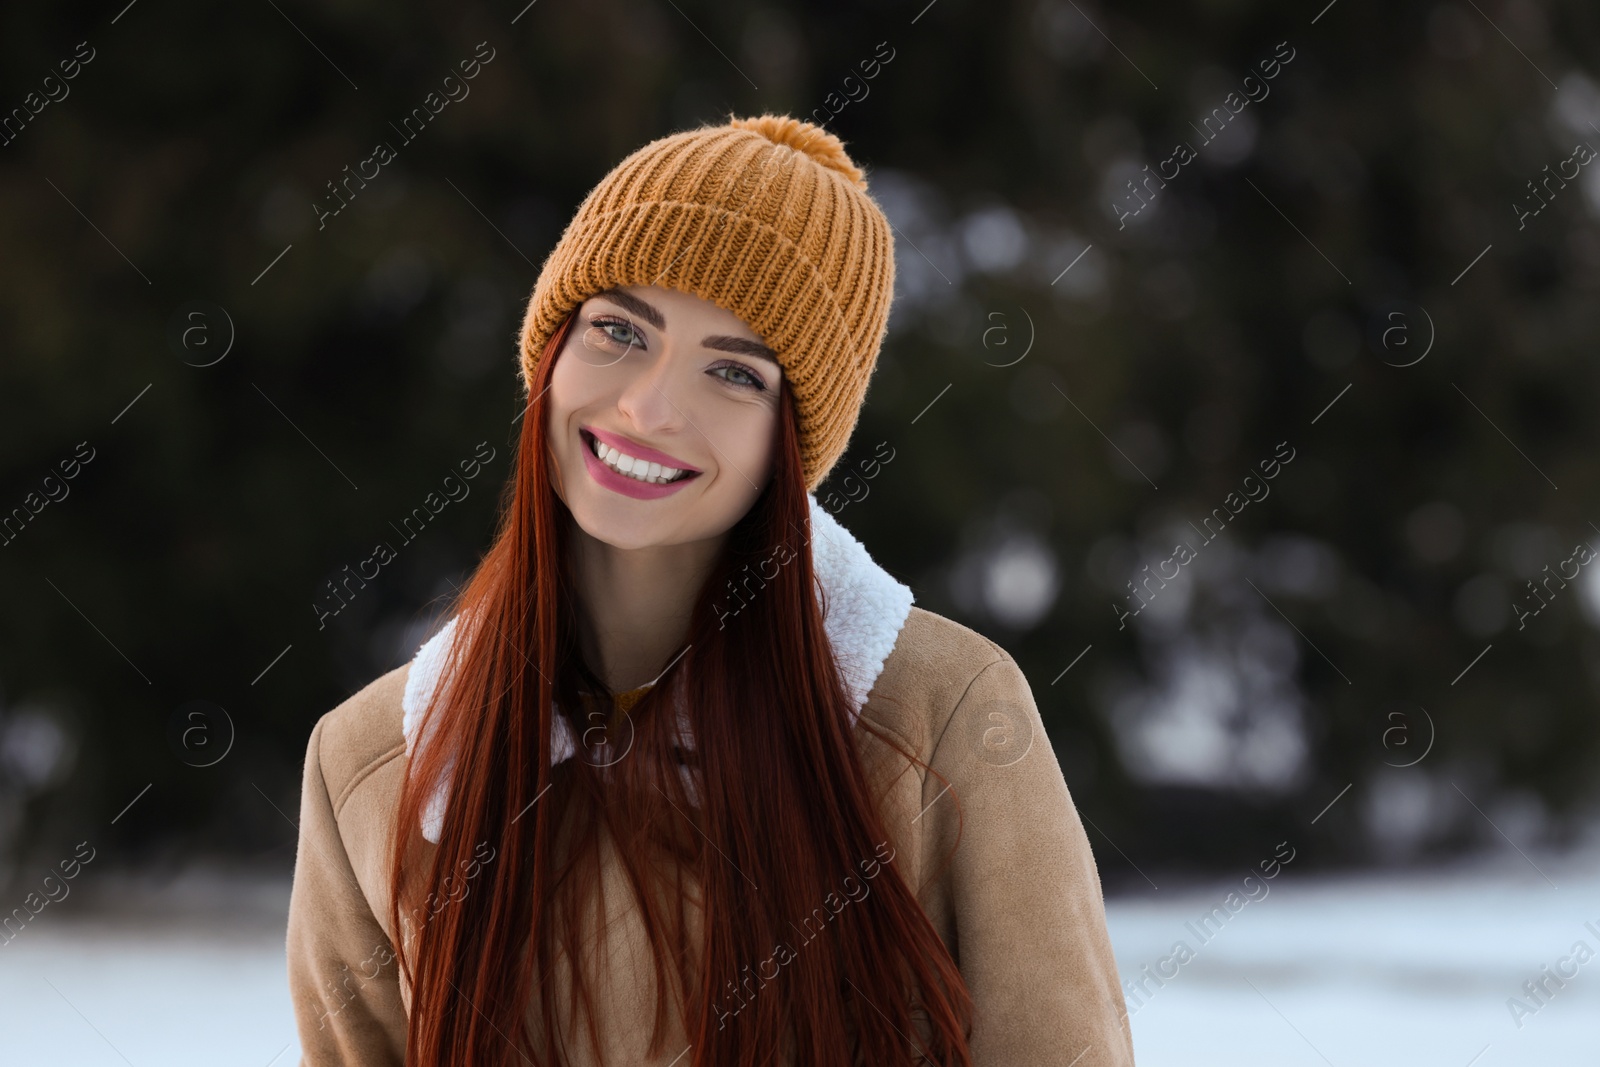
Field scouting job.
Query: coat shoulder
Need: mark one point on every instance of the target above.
(934, 662)
(362, 734)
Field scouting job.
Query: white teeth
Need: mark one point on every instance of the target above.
(638, 469)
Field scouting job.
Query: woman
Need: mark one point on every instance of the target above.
(686, 778)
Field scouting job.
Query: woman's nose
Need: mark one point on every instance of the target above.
(647, 399)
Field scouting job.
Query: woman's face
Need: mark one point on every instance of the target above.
(663, 381)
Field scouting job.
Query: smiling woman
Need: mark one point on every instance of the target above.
(676, 796)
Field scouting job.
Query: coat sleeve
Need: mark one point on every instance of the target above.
(343, 976)
(1030, 924)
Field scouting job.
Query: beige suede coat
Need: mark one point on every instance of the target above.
(1019, 905)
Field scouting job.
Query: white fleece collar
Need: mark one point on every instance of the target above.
(864, 611)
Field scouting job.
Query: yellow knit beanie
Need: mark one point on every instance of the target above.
(765, 217)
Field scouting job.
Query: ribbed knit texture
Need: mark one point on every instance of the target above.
(766, 217)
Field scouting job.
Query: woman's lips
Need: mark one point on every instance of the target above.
(621, 483)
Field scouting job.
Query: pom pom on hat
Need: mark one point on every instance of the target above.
(814, 141)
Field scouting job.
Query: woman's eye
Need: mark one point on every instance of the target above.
(741, 377)
(624, 333)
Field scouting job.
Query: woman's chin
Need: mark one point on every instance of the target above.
(618, 522)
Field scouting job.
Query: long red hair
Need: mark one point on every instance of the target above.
(784, 817)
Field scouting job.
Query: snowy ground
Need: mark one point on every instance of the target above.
(1371, 970)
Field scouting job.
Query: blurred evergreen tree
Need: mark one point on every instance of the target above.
(1066, 392)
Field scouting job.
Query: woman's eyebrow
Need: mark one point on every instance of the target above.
(742, 346)
(645, 310)
(721, 342)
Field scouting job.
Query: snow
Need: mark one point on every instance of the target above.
(1374, 969)
(110, 993)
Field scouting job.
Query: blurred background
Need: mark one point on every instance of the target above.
(1272, 283)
